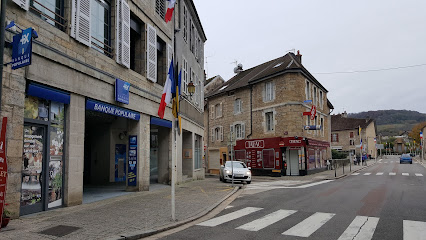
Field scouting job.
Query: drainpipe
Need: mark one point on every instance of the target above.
(2, 25)
(251, 112)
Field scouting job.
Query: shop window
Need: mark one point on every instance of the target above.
(137, 45)
(268, 158)
(50, 11)
(101, 26)
(240, 155)
(161, 62)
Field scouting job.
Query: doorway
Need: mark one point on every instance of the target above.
(293, 163)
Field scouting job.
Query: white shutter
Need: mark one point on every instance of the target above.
(243, 130)
(235, 106)
(212, 134)
(220, 110)
(151, 49)
(24, 4)
(202, 95)
(231, 129)
(221, 133)
(81, 21)
(212, 112)
(273, 90)
(169, 56)
(122, 30)
(73, 18)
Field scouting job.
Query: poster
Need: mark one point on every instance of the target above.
(3, 167)
(132, 170)
(32, 165)
(36, 108)
(120, 162)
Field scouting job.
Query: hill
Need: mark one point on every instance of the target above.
(392, 122)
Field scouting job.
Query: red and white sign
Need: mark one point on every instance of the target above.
(3, 166)
(255, 144)
(311, 113)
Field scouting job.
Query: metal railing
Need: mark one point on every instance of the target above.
(62, 21)
(106, 49)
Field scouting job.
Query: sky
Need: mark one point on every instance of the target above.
(333, 36)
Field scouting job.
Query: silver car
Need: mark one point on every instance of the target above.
(241, 172)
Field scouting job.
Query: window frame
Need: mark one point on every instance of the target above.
(61, 25)
(269, 121)
(104, 3)
(334, 137)
(237, 106)
(269, 95)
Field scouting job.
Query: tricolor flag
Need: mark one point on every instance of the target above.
(170, 8)
(167, 91)
(175, 93)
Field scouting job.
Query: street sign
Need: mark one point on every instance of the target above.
(313, 112)
(22, 49)
(380, 146)
(312, 127)
(307, 101)
(122, 91)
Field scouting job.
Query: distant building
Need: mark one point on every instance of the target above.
(263, 107)
(212, 84)
(345, 135)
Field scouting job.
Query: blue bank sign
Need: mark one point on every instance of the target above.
(122, 91)
(112, 110)
(22, 48)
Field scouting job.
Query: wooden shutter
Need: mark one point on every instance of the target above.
(123, 33)
(212, 112)
(243, 130)
(80, 24)
(24, 4)
(151, 52)
(221, 133)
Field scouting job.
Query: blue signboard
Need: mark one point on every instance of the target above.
(312, 127)
(132, 171)
(122, 91)
(112, 110)
(22, 48)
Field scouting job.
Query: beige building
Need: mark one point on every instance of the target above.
(345, 135)
(72, 128)
(267, 102)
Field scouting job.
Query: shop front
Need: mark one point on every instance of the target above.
(290, 156)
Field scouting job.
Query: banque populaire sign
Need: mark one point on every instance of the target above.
(112, 110)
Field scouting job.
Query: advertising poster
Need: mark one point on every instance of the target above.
(32, 165)
(132, 170)
(120, 162)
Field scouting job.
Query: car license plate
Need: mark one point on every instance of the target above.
(239, 175)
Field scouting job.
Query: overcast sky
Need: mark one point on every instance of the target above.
(332, 36)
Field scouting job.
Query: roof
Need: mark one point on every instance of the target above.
(339, 123)
(285, 64)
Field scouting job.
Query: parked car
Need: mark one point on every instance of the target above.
(406, 158)
(241, 172)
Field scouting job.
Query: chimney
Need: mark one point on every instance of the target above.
(344, 114)
(299, 56)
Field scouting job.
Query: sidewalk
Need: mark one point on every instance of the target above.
(132, 215)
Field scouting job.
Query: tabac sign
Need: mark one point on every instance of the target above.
(255, 144)
(3, 166)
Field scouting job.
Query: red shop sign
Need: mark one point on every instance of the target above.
(3, 167)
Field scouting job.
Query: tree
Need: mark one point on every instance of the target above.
(415, 132)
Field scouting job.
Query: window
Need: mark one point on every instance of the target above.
(185, 23)
(321, 100)
(308, 91)
(268, 158)
(160, 8)
(269, 91)
(191, 36)
(185, 75)
(217, 134)
(351, 142)
(351, 135)
(334, 137)
(322, 126)
(137, 46)
(212, 112)
(199, 56)
(237, 106)
(315, 97)
(101, 26)
(269, 117)
(161, 62)
(218, 110)
(50, 11)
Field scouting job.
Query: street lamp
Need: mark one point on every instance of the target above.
(191, 88)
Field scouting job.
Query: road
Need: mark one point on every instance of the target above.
(384, 201)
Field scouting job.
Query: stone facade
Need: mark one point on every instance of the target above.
(62, 63)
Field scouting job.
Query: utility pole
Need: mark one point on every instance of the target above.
(2, 30)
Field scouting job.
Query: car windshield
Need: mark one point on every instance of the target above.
(236, 164)
(405, 155)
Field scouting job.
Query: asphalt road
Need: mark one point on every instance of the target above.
(384, 201)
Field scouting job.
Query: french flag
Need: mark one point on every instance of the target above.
(170, 8)
(167, 91)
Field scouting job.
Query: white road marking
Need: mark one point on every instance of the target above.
(379, 173)
(392, 174)
(229, 207)
(367, 173)
(419, 175)
(405, 174)
(267, 187)
(414, 230)
(267, 220)
(361, 228)
(309, 225)
(229, 217)
(354, 174)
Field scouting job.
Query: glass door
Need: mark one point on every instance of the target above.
(33, 164)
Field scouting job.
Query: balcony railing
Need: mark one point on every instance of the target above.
(59, 20)
(106, 49)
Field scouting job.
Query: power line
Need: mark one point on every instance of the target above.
(375, 70)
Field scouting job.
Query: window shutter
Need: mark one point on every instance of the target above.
(123, 33)
(243, 130)
(202, 96)
(273, 90)
(337, 137)
(220, 110)
(212, 137)
(80, 27)
(221, 133)
(231, 128)
(169, 56)
(235, 106)
(24, 4)
(212, 112)
(151, 49)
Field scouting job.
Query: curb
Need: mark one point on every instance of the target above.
(345, 175)
(150, 232)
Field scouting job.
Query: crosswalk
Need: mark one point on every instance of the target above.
(390, 174)
(361, 228)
